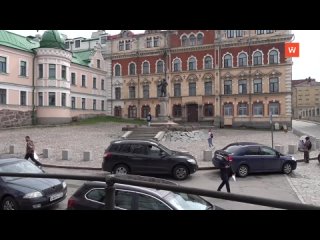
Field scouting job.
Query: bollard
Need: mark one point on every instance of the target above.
(292, 149)
(317, 143)
(11, 149)
(65, 154)
(87, 156)
(207, 155)
(279, 148)
(46, 152)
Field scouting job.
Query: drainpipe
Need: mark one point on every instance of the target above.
(33, 114)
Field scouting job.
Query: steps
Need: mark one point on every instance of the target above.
(144, 133)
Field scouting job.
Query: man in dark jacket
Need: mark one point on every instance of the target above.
(308, 146)
(30, 151)
(225, 173)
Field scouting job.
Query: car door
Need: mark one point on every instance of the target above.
(252, 158)
(148, 202)
(158, 160)
(271, 160)
(139, 161)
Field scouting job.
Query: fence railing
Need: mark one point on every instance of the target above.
(110, 180)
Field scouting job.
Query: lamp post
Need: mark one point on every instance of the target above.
(271, 125)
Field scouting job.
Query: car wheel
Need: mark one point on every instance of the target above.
(243, 171)
(319, 158)
(180, 172)
(121, 169)
(287, 168)
(9, 203)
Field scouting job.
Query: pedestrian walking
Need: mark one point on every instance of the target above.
(210, 138)
(30, 151)
(308, 146)
(225, 173)
(149, 119)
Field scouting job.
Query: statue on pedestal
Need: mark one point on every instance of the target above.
(163, 87)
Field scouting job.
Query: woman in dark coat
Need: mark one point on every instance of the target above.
(225, 173)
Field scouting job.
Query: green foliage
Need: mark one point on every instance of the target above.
(101, 119)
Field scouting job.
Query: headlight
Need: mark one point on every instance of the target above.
(192, 161)
(33, 195)
(64, 185)
(292, 157)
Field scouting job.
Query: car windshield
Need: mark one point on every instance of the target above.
(165, 149)
(231, 149)
(184, 201)
(18, 167)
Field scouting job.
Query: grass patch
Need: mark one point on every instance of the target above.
(101, 119)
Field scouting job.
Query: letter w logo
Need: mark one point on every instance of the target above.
(292, 50)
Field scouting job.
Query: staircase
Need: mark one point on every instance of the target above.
(144, 132)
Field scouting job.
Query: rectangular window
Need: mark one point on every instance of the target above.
(23, 98)
(98, 63)
(40, 99)
(230, 33)
(259, 32)
(102, 105)
(149, 42)
(102, 84)
(177, 89)
(208, 88)
(23, 68)
(242, 86)
(132, 92)
(3, 64)
(274, 108)
(192, 89)
(83, 83)
(63, 72)
(243, 109)
(239, 33)
(258, 109)
(63, 99)
(73, 78)
(52, 71)
(40, 69)
(274, 85)
(257, 86)
(94, 82)
(83, 102)
(146, 91)
(121, 46)
(3, 96)
(77, 44)
(228, 87)
(73, 102)
(67, 45)
(52, 98)
(118, 93)
(156, 41)
(228, 110)
(94, 104)
(128, 44)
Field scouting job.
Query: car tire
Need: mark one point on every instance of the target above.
(243, 171)
(319, 158)
(121, 169)
(180, 172)
(287, 168)
(9, 203)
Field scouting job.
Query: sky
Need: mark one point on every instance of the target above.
(304, 66)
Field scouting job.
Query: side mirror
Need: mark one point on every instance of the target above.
(278, 154)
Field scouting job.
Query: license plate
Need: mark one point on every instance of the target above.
(219, 157)
(56, 196)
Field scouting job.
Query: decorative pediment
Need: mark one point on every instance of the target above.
(177, 79)
(258, 74)
(243, 75)
(192, 78)
(227, 76)
(207, 77)
(145, 82)
(131, 83)
(117, 83)
(274, 73)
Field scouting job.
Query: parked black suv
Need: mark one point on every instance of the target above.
(147, 157)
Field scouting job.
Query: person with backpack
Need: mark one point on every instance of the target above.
(149, 118)
(308, 146)
(210, 138)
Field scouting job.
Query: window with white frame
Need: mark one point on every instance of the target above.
(257, 86)
(40, 98)
(192, 89)
(102, 105)
(208, 62)
(176, 65)
(274, 108)
(227, 61)
(192, 40)
(230, 33)
(242, 109)
(257, 58)
(242, 60)
(63, 99)
(3, 96)
(132, 112)
(145, 68)
(23, 98)
(258, 109)
(242, 86)
(83, 80)
(208, 88)
(118, 93)
(145, 91)
(3, 64)
(184, 41)
(52, 71)
(73, 102)
(83, 103)
(273, 57)
(121, 45)
(40, 71)
(239, 33)
(192, 64)
(177, 110)
(177, 89)
(23, 68)
(228, 109)
(128, 44)
(259, 32)
(102, 84)
(73, 78)
(156, 42)
(117, 70)
(160, 67)
(98, 63)
(94, 104)
(132, 92)
(199, 39)
(149, 42)
(67, 45)
(94, 83)
(274, 84)
(208, 110)
(132, 69)
(52, 98)
(269, 31)
(227, 87)
(63, 72)
(77, 44)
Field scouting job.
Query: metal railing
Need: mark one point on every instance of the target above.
(110, 180)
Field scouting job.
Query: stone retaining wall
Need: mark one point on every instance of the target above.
(14, 118)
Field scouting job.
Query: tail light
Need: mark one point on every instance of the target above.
(107, 154)
(230, 158)
(71, 203)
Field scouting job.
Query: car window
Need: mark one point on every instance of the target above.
(252, 150)
(113, 148)
(184, 201)
(153, 151)
(146, 202)
(231, 149)
(267, 151)
(124, 148)
(138, 149)
(124, 199)
(97, 195)
(22, 166)
(165, 149)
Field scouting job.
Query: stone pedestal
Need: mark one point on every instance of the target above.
(207, 155)
(163, 116)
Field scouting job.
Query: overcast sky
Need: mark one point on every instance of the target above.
(307, 65)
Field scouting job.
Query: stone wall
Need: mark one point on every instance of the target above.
(13, 118)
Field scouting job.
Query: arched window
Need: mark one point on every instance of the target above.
(242, 60)
(199, 39)
(132, 69)
(144, 111)
(184, 41)
(192, 40)
(228, 109)
(227, 61)
(192, 64)
(208, 62)
(117, 70)
(160, 66)
(176, 65)
(117, 111)
(145, 68)
(132, 112)
(257, 58)
(273, 57)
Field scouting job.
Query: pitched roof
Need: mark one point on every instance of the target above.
(82, 57)
(16, 41)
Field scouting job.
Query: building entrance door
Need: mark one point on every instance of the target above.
(192, 112)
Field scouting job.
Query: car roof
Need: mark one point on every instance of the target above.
(8, 160)
(132, 141)
(243, 143)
